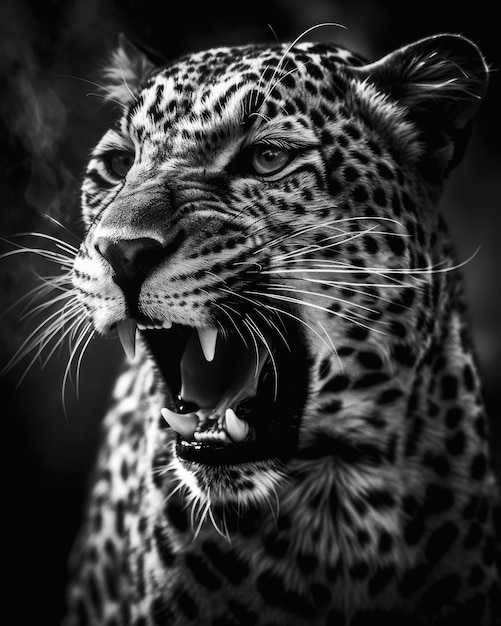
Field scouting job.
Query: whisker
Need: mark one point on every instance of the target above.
(320, 308)
(68, 315)
(76, 347)
(274, 511)
(37, 340)
(222, 308)
(20, 353)
(91, 333)
(351, 287)
(294, 43)
(104, 96)
(214, 523)
(254, 341)
(254, 304)
(272, 358)
(271, 88)
(338, 268)
(35, 293)
(273, 33)
(299, 320)
(266, 118)
(44, 305)
(278, 312)
(55, 257)
(272, 325)
(317, 247)
(203, 515)
(333, 347)
(346, 238)
(392, 281)
(59, 224)
(67, 333)
(180, 486)
(325, 265)
(127, 85)
(60, 243)
(106, 92)
(322, 295)
(324, 225)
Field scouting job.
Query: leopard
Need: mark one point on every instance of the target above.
(298, 433)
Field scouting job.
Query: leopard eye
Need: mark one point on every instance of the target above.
(267, 159)
(120, 163)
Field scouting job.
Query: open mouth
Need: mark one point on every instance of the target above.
(231, 398)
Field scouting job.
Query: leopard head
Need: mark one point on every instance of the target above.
(263, 220)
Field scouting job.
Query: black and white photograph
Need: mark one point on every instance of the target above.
(250, 304)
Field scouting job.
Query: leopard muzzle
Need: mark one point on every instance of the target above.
(231, 396)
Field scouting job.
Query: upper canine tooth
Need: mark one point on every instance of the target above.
(236, 428)
(208, 338)
(184, 424)
(126, 330)
(167, 324)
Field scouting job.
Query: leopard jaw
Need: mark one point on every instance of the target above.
(226, 428)
(219, 424)
(258, 374)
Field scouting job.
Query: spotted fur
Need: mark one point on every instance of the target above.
(376, 501)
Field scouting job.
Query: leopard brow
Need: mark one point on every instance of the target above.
(282, 129)
(113, 140)
(285, 132)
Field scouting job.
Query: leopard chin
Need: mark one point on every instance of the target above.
(232, 399)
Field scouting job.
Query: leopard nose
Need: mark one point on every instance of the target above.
(130, 259)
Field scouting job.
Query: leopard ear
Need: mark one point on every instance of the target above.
(126, 72)
(443, 75)
(440, 82)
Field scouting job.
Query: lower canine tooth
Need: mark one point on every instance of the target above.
(236, 428)
(184, 424)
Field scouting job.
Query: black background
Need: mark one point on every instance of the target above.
(50, 117)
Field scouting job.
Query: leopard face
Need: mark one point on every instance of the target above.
(263, 219)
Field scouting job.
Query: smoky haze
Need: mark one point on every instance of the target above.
(46, 50)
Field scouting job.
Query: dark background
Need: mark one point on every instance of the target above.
(50, 117)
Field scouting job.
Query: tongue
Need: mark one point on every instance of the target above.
(229, 378)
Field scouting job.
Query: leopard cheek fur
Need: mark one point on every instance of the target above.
(267, 217)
